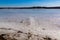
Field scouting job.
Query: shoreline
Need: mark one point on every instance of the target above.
(29, 7)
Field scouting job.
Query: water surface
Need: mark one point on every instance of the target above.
(25, 13)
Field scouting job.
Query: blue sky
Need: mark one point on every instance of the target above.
(29, 3)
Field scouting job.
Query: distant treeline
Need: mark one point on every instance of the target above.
(29, 7)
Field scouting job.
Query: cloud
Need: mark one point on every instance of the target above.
(55, 3)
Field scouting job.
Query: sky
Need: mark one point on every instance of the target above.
(22, 3)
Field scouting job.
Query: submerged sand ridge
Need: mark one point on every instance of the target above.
(29, 29)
